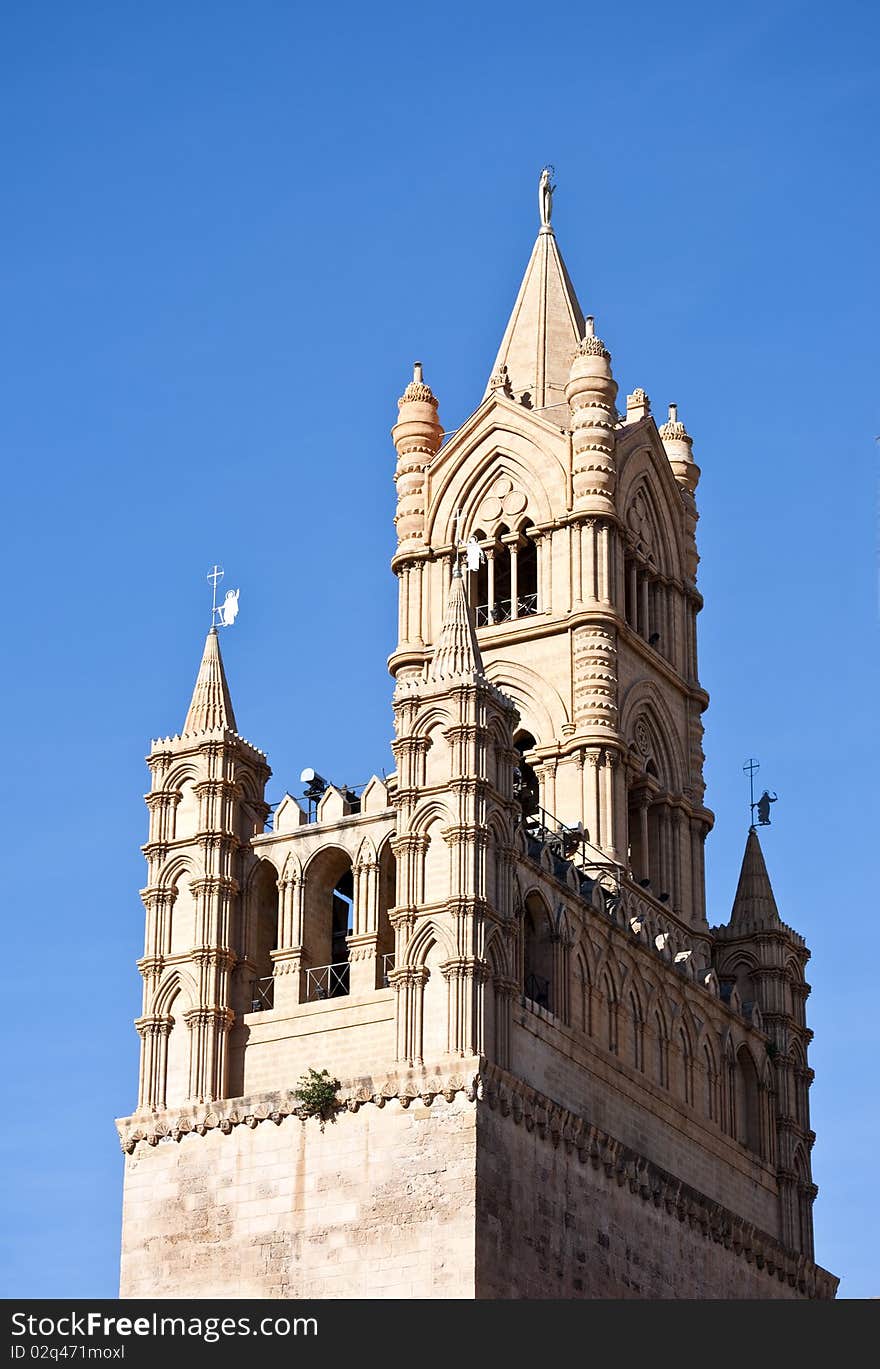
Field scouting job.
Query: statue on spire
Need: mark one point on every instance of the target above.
(545, 195)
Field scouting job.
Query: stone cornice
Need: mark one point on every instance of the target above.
(486, 1084)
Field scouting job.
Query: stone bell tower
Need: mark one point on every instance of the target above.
(586, 597)
(545, 1075)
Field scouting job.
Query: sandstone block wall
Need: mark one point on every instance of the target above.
(378, 1205)
(550, 1225)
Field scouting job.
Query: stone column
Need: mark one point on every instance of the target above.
(363, 942)
(514, 580)
(409, 987)
(288, 959)
(490, 580)
(466, 981)
(154, 1032)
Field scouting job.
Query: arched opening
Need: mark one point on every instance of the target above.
(327, 924)
(525, 782)
(748, 1102)
(537, 954)
(387, 900)
(583, 997)
(478, 586)
(527, 573)
(262, 933)
(502, 609)
(505, 585)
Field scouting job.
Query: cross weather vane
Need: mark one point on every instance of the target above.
(762, 804)
(225, 614)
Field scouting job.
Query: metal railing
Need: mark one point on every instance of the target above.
(327, 981)
(538, 990)
(570, 846)
(263, 994)
(502, 610)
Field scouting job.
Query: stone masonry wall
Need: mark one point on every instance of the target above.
(378, 1205)
(558, 1218)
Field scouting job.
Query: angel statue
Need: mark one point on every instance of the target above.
(545, 195)
(228, 610)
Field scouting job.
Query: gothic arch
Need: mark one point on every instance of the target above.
(435, 715)
(179, 865)
(467, 480)
(498, 955)
(430, 933)
(292, 868)
(366, 853)
(186, 772)
(430, 811)
(541, 708)
(748, 1101)
(176, 981)
(644, 701)
(647, 472)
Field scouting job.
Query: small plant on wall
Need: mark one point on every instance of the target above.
(316, 1092)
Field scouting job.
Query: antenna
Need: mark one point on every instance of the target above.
(752, 767)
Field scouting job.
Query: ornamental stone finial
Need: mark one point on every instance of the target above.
(590, 345)
(672, 430)
(545, 195)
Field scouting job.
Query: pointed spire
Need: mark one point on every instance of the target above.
(544, 329)
(210, 709)
(754, 904)
(457, 653)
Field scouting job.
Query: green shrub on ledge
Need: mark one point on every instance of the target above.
(316, 1092)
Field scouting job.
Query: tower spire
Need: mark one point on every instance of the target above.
(457, 651)
(545, 327)
(754, 904)
(210, 708)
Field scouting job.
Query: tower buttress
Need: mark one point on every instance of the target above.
(205, 802)
(455, 937)
(763, 960)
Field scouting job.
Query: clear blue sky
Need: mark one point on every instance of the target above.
(228, 229)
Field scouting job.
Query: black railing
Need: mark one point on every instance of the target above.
(502, 610)
(263, 994)
(327, 981)
(538, 990)
(571, 846)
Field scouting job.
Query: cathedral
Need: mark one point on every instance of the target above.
(541, 1070)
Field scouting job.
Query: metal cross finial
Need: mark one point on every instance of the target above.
(222, 615)
(473, 553)
(752, 767)
(215, 575)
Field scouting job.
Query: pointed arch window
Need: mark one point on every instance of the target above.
(505, 587)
